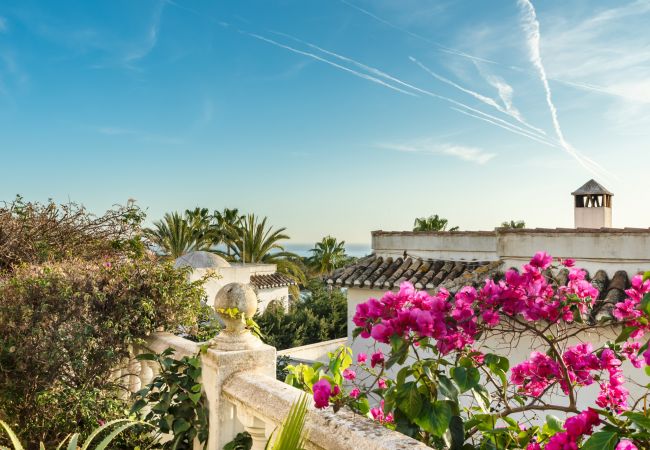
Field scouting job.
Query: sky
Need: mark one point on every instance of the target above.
(329, 116)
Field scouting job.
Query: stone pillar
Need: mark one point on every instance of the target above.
(235, 349)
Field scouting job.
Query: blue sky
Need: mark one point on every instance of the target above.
(329, 116)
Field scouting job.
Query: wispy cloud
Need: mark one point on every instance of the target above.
(143, 48)
(141, 136)
(426, 146)
(4, 27)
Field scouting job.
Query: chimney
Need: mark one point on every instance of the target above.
(593, 206)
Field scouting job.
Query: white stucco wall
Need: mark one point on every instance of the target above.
(265, 296)
(609, 250)
(314, 352)
(240, 273)
(459, 245)
(593, 217)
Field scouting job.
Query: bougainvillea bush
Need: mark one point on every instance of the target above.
(439, 383)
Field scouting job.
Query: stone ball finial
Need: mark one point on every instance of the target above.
(234, 303)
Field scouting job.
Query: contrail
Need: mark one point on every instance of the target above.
(461, 107)
(541, 141)
(440, 46)
(487, 100)
(331, 63)
(531, 27)
(403, 83)
(474, 58)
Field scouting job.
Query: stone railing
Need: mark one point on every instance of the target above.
(239, 382)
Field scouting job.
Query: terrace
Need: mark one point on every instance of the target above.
(244, 395)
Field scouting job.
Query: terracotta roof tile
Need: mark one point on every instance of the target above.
(266, 281)
(378, 272)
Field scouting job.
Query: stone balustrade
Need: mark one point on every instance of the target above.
(239, 382)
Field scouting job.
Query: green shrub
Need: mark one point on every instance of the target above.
(37, 233)
(66, 325)
(174, 401)
(320, 315)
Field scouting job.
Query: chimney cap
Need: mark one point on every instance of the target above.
(591, 187)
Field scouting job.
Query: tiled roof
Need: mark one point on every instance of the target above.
(591, 187)
(378, 272)
(266, 281)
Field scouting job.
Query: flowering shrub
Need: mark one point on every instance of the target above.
(449, 392)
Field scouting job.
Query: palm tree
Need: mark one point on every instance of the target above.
(513, 224)
(327, 255)
(255, 242)
(228, 219)
(432, 223)
(176, 235)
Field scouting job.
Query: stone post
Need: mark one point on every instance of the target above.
(235, 349)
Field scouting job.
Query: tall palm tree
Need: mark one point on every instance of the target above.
(327, 255)
(432, 223)
(513, 224)
(176, 235)
(256, 242)
(227, 221)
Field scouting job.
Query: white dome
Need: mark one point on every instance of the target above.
(201, 260)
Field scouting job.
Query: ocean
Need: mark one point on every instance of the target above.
(357, 250)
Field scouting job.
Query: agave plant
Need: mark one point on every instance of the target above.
(73, 439)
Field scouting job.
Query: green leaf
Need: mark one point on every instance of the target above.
(12, 436)
(554, 424)
(447, 388)
(409, 400)
(195, 397)
(643, 422)
(482, 397)
(465, 377)
(434, 418)
(603, 440)
(625, 334)
(457, 431)
(645, 304)
(180, 425)
(72, 445)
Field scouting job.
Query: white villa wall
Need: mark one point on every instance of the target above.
(265, 296)
(457, 245)
(609, 250)
(240, 273)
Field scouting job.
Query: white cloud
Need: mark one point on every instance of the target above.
(471, 154)
(3, 25)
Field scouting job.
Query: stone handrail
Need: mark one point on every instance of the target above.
(264, 402)
(238, 378)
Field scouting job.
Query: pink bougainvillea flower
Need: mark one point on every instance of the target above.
(534, 446)
(381, 384)
(377, 358)
(361, 358)
(541, 260)
(322, 391)
(354, 393)
(568, 262)
(349, 374)
(646, 356)
(626, 444)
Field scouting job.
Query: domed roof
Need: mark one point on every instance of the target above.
(201, 260)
